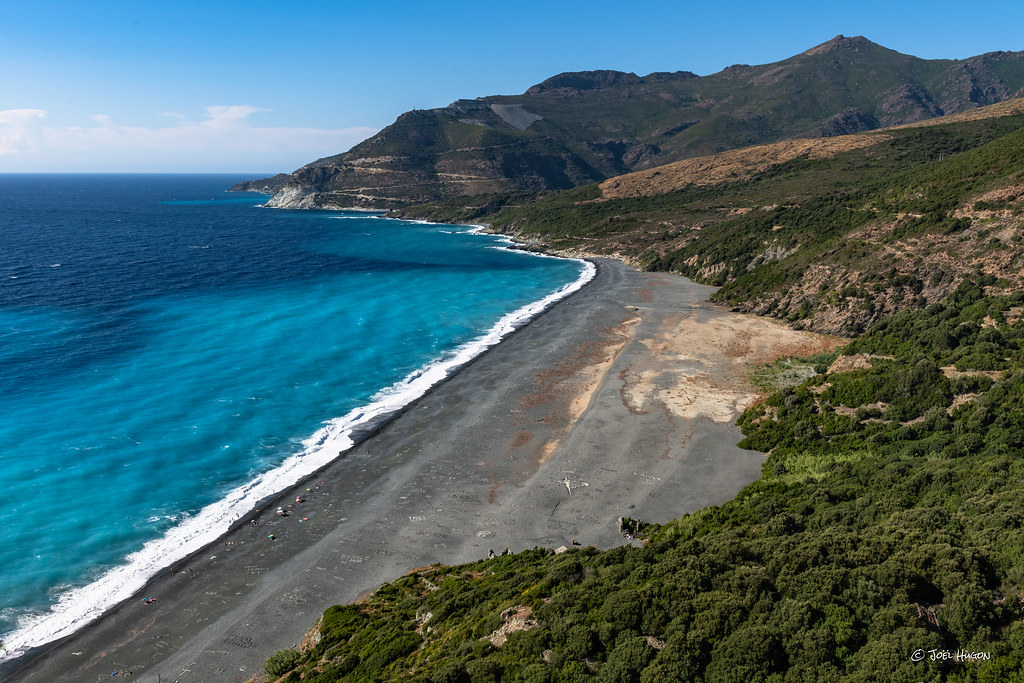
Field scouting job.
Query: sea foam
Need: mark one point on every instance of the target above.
(79, 606)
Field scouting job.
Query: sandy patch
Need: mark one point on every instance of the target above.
(952, 373)
(700, 368)
(516, 619)
(857, 361)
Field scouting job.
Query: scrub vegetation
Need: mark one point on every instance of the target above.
(885, 537)
(887, 521)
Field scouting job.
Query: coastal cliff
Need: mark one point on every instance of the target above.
(579, 128)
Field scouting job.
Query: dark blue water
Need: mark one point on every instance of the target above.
(170, 353)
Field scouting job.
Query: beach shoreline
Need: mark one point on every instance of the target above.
(543, 439)
(80, 605)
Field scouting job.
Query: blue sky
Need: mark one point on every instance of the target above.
(260, 87)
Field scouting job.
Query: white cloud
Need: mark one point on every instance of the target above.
(220, 114)
(223, 140)
(21, 130)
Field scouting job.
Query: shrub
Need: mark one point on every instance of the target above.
(281, 662)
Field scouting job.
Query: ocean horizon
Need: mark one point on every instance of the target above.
(172, 354)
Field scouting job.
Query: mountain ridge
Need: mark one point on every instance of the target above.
(576, 128)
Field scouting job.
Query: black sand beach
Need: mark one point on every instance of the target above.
(545, 439)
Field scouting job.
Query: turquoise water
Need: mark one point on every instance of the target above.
(170, 353)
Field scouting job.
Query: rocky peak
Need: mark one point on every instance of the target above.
(841, 44)
(667, 76)
(585, 80)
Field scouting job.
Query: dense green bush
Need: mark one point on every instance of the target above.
(281, 662)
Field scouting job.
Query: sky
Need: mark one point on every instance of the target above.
(261, 87)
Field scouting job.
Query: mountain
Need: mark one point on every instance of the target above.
(579, 128)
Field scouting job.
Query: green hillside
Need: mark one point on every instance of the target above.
(829, 243)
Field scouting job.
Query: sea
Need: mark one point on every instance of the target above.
(172, 353)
